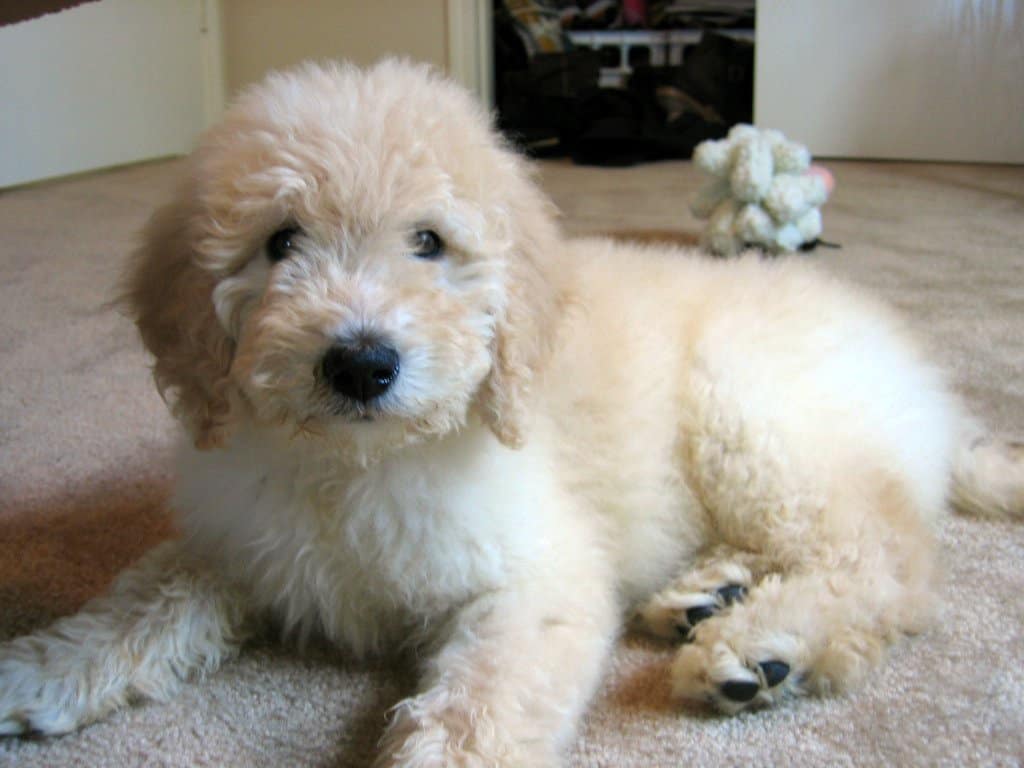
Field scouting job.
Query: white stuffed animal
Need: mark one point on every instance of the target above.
(764, 192)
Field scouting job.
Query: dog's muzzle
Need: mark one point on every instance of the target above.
(361, 371)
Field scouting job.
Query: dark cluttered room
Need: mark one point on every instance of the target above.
(610, 83)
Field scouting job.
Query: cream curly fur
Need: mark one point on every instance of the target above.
(579, 432)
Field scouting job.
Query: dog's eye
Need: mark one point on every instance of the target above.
(427, 244)
(281, 244)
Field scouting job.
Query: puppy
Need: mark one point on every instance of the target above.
(417, 416)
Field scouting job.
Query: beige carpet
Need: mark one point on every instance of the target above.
(84, 443)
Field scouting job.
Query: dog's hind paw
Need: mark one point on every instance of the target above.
(717, 671)
(674, 612)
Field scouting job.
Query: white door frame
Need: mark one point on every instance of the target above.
(470, 49)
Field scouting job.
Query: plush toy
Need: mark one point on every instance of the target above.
(764, 193)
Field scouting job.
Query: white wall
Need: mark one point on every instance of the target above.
(260, 35)
(99, 85)
(911, 79)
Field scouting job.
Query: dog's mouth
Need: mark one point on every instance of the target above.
(360, 414)
(340, 408)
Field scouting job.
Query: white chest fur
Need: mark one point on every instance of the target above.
(362, 553)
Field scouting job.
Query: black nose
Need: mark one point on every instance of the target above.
(360, 372)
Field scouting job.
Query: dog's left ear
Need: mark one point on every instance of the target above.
(536, 297)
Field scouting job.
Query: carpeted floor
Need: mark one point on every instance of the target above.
(83, 474)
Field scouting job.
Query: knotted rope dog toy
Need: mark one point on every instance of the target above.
(764, 193)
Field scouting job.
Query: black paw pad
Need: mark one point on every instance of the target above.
(774, 672)
(698, 613)
(732, 593)
(739, 690)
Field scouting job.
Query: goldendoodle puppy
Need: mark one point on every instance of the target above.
(417, 416)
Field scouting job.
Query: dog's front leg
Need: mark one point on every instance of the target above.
(165, 620)
(513, 673)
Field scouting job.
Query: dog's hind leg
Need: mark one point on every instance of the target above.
(821, 624)
(165, 620)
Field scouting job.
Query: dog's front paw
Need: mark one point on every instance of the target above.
(452, 735)
(434, 746)
(34, 699)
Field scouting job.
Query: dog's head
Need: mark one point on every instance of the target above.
(353, 254)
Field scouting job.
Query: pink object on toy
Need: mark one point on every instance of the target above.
(825, 175)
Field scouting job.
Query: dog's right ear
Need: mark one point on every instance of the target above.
(170, 297)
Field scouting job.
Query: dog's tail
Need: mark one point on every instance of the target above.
(988, 479)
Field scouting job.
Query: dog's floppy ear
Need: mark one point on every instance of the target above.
(535, 299)
(170, 298)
